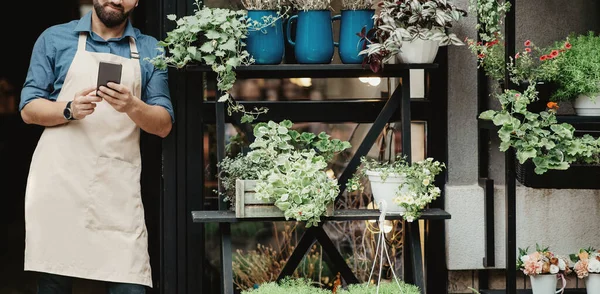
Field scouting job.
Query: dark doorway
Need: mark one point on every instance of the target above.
(21, 25)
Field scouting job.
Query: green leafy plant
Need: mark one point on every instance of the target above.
(539, 137)
(384, 288)
(288, 285)
(490, 49)
(290, 169)
(579, 68)
(212, 36)
(415, 192)
(406, 20)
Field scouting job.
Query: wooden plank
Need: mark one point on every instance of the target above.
(203, 216)
(248, 206)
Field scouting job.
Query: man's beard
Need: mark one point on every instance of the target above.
(110, 18)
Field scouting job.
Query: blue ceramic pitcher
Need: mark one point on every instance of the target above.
(265, 45)
(314, 36)
(351, 23)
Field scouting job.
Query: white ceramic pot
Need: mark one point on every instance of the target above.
(592, 284)
(418, 51)
(385, 191)
(584, 106)
(543, 284)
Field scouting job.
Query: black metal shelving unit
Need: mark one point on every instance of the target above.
(345, 110)
(583, 124)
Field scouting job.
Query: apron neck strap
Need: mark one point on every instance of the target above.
(132, 47)
(81, 42)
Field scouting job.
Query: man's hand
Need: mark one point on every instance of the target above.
(84, 103)
(119, 97)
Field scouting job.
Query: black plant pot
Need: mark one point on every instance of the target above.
(577, 176)
(545, 91)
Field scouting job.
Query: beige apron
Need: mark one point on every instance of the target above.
(83, 209)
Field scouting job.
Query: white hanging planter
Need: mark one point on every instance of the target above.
(543, 284)
(592, 283)
(418, 51)
(584, 106)
(385, 190)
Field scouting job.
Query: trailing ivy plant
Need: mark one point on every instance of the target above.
(212, 36)
(539, 136)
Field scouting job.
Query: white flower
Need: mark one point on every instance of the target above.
(562, 265)
(553, 269)
(425, 182)
(593, 265)
(410, 218)
(525, 258)
(426, 171)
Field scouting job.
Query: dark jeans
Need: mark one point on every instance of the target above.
(55, 284)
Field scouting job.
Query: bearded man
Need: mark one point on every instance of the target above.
(84, 216)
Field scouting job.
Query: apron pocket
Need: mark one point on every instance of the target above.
(114, 201)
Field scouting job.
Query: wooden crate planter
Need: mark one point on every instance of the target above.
(578, 176)
(247, 206)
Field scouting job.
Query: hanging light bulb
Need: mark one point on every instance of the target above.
(374, 81)
(371, 81)
(387, 226)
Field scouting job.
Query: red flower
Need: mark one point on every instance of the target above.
(481, 55)
(543, 57)
(528, 50)
(554, 53)
(568, 45)
(517, 55)
(528, 43)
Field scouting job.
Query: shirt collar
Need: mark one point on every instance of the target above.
(85, 25)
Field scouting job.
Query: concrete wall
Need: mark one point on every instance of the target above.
(562, 219)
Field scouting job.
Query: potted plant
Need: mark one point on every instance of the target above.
(211, 36)
(356, 18)
(289, 173)
(411, 30)
(587, 267)
(265, 42)
(579, 75)
(404, 188)
(384, 288)
(544, 268)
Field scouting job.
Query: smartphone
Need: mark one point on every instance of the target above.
(108, 72)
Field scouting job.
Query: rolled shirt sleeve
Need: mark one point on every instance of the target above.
(40, 75)
(157, 91)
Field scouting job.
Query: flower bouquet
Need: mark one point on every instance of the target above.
(543, 268)
(587, 267)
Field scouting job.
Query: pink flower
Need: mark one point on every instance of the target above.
(532, 267)
(580, 268)
(528, 43)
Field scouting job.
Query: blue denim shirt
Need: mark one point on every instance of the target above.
(55, 49)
